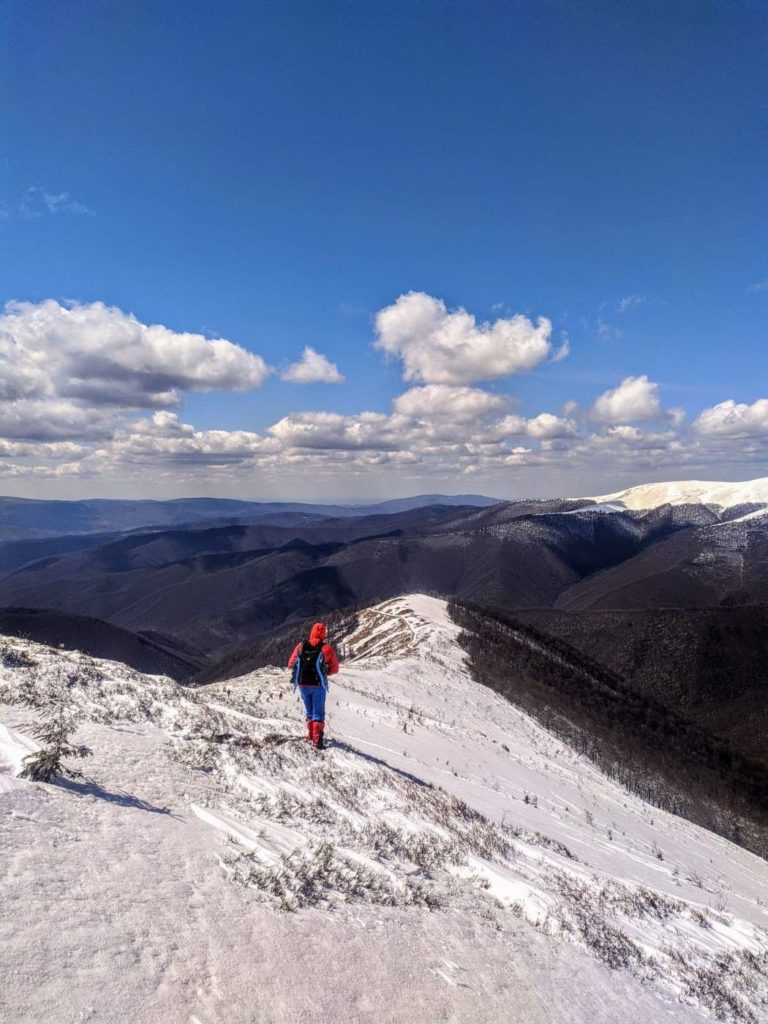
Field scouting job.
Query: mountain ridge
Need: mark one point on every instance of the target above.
(26, 518)
(444, 836)
(682, 492)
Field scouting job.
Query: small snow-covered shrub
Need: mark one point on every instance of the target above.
(612, 946)
(719, 983)
(425, 849)
(54, 732)
(15, 657)
(320, 874)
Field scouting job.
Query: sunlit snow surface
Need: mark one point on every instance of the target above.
(446, 859)
(684, 492)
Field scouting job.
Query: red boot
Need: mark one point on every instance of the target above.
(318, 735)
(310, 737)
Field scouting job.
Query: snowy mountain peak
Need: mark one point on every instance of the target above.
(685, 492)
(444, 836)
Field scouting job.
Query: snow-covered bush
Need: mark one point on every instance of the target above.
(321, 874)
(55, 730)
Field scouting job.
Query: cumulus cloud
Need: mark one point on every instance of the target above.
(52, 419)
(165, 438)
(636, 398)
(79, 357)
(442, 401)
(632, 437)
(43, 472)
(54, 451)
(544, 426)
(313, 368)
(433, 418)
(547, 425)
(162, 424)
(734, 419)
(330, 430)
(90, 391)
(441, 347)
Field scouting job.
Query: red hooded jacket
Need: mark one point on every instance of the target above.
(316, 634)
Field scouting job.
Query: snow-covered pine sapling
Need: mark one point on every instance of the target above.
(54, 732)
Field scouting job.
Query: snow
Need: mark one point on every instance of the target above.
(180, 882)
(685, 492)
(748, 517)
(601, 507)
(14, 747)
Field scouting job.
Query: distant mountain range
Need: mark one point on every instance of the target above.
(218, 586)
(25, 518)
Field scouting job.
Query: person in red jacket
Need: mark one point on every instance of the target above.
(312, 661)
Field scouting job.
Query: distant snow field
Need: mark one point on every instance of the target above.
(684, 492)
(446, 859)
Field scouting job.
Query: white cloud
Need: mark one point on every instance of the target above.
(42, 472)
(37, 202)
(433, 419)
(630, 436)
(518, 457)
(628, 301)
(734, 419)
(165, 438)
(442, 401)
(162, 424)
(330, 430)
(313, 368)
(418, 440)
(636, 398)
(759, 286)
(442, 347)
(54, 451)
(90, 392)
(544, 426)
(562, 352)
(86, 361)
(51, 419)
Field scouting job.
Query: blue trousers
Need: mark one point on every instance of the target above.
(314, 702)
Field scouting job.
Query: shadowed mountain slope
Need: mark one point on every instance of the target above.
(151, 653)
(220, 587)
(724, 562)
(649, 744)
(709, 663)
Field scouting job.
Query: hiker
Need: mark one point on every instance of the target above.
(313, 661)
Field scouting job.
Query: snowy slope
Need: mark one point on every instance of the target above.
(445, 860)
(689, 492)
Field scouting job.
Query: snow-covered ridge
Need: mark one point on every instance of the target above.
(446, 850)
(689, 492)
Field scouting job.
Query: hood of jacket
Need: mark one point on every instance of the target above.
(317, 633)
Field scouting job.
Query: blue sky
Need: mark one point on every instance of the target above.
(277, 174)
